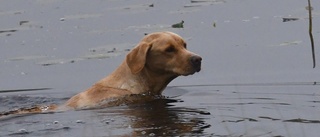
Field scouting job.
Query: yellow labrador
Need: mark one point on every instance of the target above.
(148, 68)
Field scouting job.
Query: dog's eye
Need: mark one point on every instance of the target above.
(170, 49)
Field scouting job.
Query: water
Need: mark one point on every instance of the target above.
(257, 78)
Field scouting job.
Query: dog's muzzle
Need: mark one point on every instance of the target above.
(196, 62)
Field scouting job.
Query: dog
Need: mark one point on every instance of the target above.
(147, 69)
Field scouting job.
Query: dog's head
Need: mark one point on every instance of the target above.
(163, 53)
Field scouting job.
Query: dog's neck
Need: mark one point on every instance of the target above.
(143, 82)
(154, 83)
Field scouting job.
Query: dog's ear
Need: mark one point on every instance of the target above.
(136, 58)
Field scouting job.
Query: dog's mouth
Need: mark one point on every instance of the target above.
(192, 70)
(198, 69)
(196, 63)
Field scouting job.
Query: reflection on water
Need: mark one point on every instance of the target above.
(217, 110)
(138, 115)
(161, 118)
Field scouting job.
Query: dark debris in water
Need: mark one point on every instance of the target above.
(260, 98)
(22, 90)
(23, 22)
(200, 3)
(289, 19)
(296, 120)
(7, 31)
(57, 129)
(316, 101)
(300, 120)
(241, 120)
(265, 117)
(135, 7)
(247, 103)
(178, 25)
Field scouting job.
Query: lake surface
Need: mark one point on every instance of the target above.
(257, 78)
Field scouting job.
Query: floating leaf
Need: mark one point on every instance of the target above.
(5, 31)
(178, 25)
(289, 19)
(23, 22)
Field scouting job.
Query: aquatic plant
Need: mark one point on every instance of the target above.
(310, 33)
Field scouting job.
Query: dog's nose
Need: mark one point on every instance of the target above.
(196, 62)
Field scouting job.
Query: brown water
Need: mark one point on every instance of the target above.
(257, 78)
